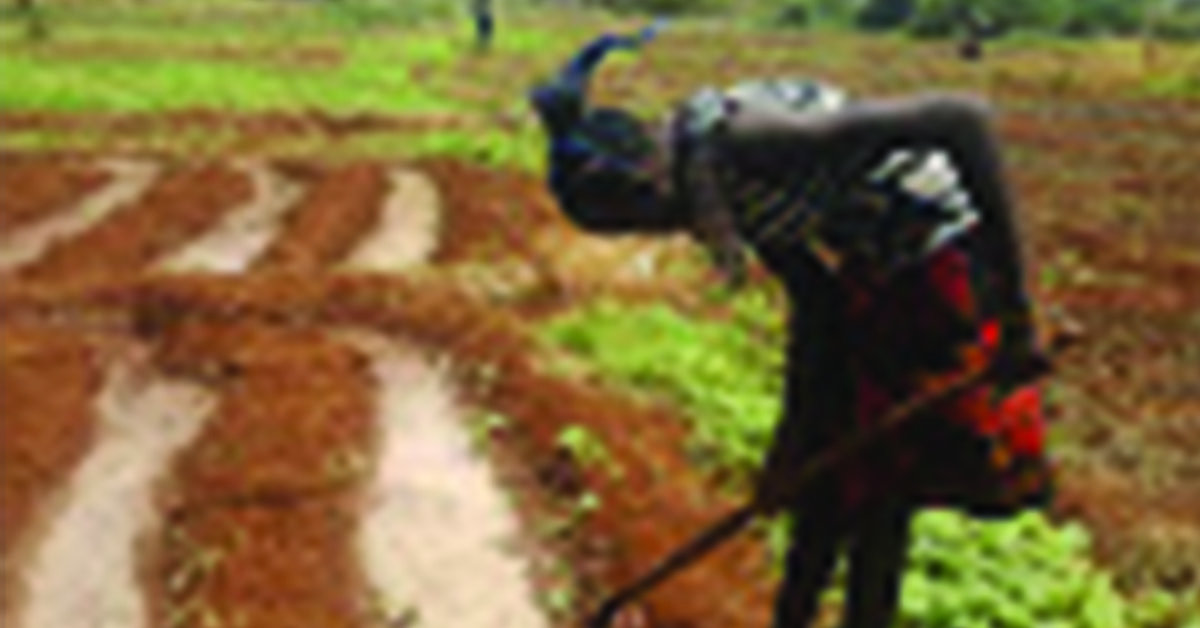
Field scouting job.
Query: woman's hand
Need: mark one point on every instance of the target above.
(774, 491)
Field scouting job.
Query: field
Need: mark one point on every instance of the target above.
(274, 286)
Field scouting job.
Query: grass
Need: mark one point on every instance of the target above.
(368, 80)
(405, 60)
(414, 58)
(246, 56)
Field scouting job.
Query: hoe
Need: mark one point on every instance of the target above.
(733, 522)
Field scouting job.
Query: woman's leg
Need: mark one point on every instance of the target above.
(878, 551)
(811, 558)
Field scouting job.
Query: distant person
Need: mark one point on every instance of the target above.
(892, 229)
(485, 23)
(976, 30)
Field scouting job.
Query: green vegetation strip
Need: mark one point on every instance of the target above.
(366, 80)
(1019, 573)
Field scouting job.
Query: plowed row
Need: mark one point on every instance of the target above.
(46, 185)
(258, 514)
(42, 436)
(258, 521)
(178, 207)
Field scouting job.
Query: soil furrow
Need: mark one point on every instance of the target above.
(86, 570)
(33, 188)
(406, 233)
(167, 216)
(44, 431)
(263, 511)
(244, 233)
(127, 181)
(336, 211)
(651, 499)
(435, 536)
(632, 528)
(490, 215)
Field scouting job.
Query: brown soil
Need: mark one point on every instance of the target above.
(628, 533)
(338, 208)
(309, 58)
(257, 125)
(42, 436)
(259, 336)
(34, 187)
(186, 203)
(494, 215)
(261, 511)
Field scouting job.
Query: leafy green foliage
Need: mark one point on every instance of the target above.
(1099, 17)
(587, 449)
(1021, 573)
(724, 377)
(885, 14)
(367, 83)
(945, 17)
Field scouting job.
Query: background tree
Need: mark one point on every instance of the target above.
(36, 27)
(885, 14)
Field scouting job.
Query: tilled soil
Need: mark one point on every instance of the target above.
(48, 184)
(339, 206)
(260, 513)
(243, 233)
(438, 539)
(185, 202)
(85, 571)
(260, 509)
(128, 180)
(42, 436)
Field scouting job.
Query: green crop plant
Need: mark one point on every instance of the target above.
(1018, 573)
(588, 449)
(485, 425)
(726, 380)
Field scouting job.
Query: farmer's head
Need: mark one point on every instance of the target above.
(605, 163)
(608, 169)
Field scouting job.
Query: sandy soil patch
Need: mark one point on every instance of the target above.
(168, 215)
(33, 187)
(407, 231)
(42, 436)
(84, 572)
(338, 208)
(245, 232)
(263, 508)
(438, 533)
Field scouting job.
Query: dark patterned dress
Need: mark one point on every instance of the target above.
(886, 298)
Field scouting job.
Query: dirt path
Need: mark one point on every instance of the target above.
(407, 231)
(437, 532)
(42, 437)
(85, 572)
(244, 233)
(130, 179)
(437, 536)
